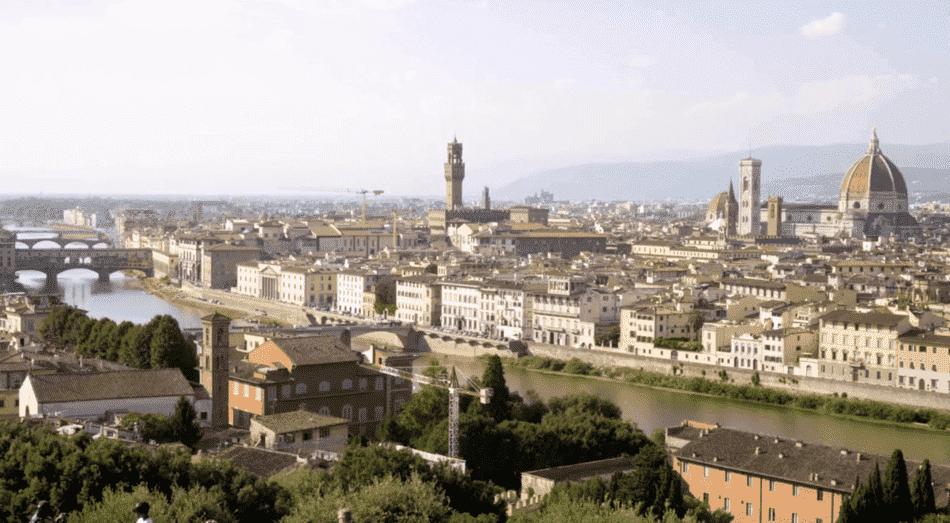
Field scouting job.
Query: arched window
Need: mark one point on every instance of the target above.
(347, 384)
(379, 383)
(324, 386)
(362, 383)
(347, 412)
(361, 415)
(379, 413)
(857, 205)
(325, 411)
(301, 388)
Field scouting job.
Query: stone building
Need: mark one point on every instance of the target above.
(313, 373)
(219, 264)
(760, 478)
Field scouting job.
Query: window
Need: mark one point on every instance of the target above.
(685, 467)
(725, 504)
(301, 388)
(748, 509)
(347, 412)
(748, 481)
(794, 517)
(706, 497)
(237, 388)
(794, 490)
(272, 393)
(728, 476)
(379, 383)
(820, 494)
(324, 386)
(771, 485)
(362, 383)
(204, 415)
(379, 413)
(285, 391)
(771, 514)
(247, 391)
(324, 432)
(325, 411)
(258, 393)
(361, 415)
(347, 384)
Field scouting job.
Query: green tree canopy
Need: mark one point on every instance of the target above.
(922, 492)
(896, 504)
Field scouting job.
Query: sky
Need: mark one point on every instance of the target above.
(313, 97)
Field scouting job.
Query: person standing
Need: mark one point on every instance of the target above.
(141, 509)
(43, 514)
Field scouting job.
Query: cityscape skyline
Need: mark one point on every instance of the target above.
(139, 97)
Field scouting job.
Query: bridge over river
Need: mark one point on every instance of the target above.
(91, 250)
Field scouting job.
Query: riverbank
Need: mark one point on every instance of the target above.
(855, 409)
(174, 295)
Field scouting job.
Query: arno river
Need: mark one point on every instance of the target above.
(124, 299)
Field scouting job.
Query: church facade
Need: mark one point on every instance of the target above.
(872, 202)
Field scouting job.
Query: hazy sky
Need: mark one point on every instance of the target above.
(278, 96)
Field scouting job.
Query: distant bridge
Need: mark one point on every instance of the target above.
(89, 239)
(102, 261)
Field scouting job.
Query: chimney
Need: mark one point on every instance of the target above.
(859, 457)
(781, 455)
(80, 362)
(844, 452)
(756, 437)
(758, 450)
(799, 444)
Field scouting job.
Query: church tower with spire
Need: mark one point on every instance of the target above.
(750, 172)
(454, 174)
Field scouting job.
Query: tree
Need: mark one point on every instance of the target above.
(582, 402)
(168, 348)
(922, 493)
(696, 321)
(896, 504)
(184, 423)
(494, 378)
(875, 496)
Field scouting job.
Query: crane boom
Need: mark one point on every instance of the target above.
(451, 385)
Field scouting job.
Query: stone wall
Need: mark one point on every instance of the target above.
(455, 345)
(292, 314)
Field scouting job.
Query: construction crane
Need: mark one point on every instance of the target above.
(450, 384)
(363, 192)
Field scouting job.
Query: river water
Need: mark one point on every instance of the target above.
(123, 298)
(653, 409)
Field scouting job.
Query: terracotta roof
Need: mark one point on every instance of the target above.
(314, 350)
(260, 462)
(582, 471)
(59, 388)
(792, 460)
(864, 318)
(298, 420)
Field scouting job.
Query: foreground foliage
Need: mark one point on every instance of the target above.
(73, 474)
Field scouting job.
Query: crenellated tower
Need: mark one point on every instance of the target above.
(454, 174)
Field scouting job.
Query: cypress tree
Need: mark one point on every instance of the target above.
(875, 490)
(499, 407)
(896, 504)
(859, 502)
(922, 492)
(846, 512)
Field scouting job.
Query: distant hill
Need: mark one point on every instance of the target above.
(794, 172)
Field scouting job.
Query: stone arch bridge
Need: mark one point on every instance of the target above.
(102, 261)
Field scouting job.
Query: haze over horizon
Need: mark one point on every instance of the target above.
(277, 96)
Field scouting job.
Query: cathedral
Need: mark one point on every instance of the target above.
(872, 203)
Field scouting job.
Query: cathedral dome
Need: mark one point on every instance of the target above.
(873, 183)
(717, 206)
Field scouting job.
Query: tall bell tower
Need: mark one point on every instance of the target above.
(454, 174)
(213, 365)
(750, 172)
